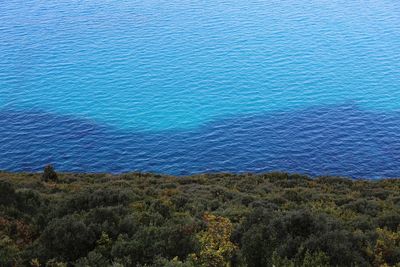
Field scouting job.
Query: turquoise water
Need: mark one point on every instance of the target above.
(153, 86)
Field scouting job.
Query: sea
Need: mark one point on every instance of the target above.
(184, 87)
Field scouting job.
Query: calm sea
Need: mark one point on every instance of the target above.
(183, 87)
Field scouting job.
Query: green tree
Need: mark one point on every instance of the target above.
(216, 248)
(67, 239)
(387, 248)
(49, 174)
(8, 251)
(317, 259)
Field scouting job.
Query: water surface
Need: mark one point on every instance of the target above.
(195, 86)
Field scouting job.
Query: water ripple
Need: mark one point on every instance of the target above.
(194, 86)
(342, 140)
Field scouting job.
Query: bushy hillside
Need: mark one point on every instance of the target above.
(137, 219)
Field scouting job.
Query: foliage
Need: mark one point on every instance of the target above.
(387, 248)
(68, 238)
(216, 248)
(49, 174)
(8, 251)
(138, 219)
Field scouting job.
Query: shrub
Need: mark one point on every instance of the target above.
(49, 174)
(67, 239)
(216, 249)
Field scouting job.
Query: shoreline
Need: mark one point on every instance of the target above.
(203, 174)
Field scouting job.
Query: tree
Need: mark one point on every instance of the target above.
(67, 239)
(7, 194)
(387, 248)
(317, 259)
(8, 251)
(216, 249)
(292, 233)
(49, 174)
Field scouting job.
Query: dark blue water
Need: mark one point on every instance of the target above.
(184, 87)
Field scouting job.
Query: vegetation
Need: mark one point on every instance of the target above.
(136, 219)
(49, 174)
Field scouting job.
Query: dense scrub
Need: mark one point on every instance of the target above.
(216, 220)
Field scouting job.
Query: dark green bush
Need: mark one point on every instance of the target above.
(67, 239)
(49, 174)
